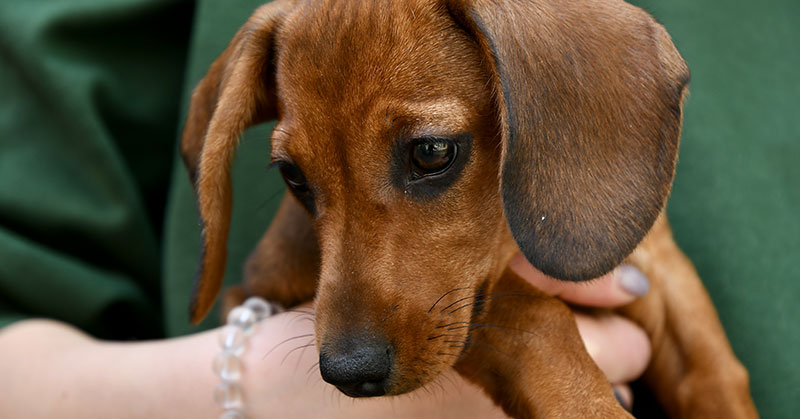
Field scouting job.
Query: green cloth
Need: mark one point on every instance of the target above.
(89, 95)
(735, 205)
(92, 98)
(257, 191)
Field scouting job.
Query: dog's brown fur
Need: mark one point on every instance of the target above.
(573, 113)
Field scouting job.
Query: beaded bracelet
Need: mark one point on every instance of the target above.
(241, 323)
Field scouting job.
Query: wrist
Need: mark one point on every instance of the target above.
(235, 361)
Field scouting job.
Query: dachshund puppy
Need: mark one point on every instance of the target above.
(424, 143)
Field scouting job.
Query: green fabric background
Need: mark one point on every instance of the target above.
(89, 93)
(92, 97)
(736, 198)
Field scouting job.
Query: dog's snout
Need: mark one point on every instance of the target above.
(360, 369)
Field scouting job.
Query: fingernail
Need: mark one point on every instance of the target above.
(621, 400)
(632, 280)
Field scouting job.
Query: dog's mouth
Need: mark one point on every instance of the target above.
(366, 389)
(392, 358)
(478, 307)
(447, 326)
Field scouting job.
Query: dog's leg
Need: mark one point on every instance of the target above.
(284, 266)
(694, 371)
(526, 353)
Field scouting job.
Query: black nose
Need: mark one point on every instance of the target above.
(360, 368)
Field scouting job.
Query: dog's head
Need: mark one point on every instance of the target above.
(428, 140)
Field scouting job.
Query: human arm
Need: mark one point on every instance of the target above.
(59, 371)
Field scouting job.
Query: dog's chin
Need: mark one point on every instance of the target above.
(399, 384)
(391, 388)
(377, 390)
(365, 390)
(419, 380)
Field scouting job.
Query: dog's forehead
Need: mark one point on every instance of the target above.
(347, 61)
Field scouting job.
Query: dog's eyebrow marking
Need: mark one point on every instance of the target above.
(449, 114)
(278, 143)
(279, 155)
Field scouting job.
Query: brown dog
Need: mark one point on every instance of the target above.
(424, 142)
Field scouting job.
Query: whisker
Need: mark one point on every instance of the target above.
(444, 353)
(446, 294)
(391, 311)
(307, 312)
(443, 335)
(462, 299)
(300, 358)
(465, 343)
(450, 378)
(286, 340)
(316, 365)
(308, 373)
(269, 199)
(438, 384)
(491, 297)
(487, 346)
(302, 318)
(449, 324)
(424, 388)
(490, 294)
(471, 325)
(299, 347)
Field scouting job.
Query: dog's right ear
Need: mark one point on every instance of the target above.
(236, 93)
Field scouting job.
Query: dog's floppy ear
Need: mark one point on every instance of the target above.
(237, 92)
(590, 98)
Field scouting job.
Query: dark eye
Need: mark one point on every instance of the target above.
(430, 156)
(294, 178)
(298, 185)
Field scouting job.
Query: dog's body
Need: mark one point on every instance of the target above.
(425, 143)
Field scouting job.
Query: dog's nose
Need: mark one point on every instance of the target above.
(360, 370)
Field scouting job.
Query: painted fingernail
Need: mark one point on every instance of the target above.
(621, 400)
(632, 280)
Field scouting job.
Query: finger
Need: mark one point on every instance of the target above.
(623, 285)
(624, 396)
(618, 346)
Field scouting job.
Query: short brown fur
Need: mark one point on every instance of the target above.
(573, 113)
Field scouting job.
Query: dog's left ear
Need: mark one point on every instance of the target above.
(236, 93)
(590, 98)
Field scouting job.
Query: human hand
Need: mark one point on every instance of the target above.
(619, 347)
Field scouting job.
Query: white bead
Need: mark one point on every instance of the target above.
(228, 396)
(227, 366)
(243, 318)
(260, 307)
(232, 414)
(231, 339)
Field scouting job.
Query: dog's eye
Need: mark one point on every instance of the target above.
(298, 185)
(425, 166)
(294, 177)
(430, 156)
